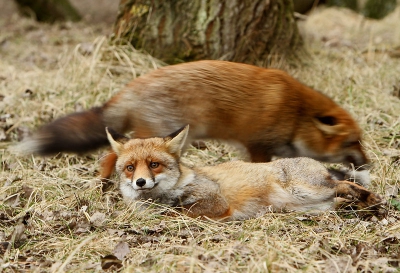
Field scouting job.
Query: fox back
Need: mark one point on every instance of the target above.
(150, 169)
(266, 110)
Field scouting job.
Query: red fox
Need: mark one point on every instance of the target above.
(236, 190)
(266, 110)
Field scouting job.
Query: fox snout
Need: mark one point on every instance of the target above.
(358, 159)
(141, 182)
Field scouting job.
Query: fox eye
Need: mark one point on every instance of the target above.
(154, 165)
(350, 144)
(130, 168)
(328, 120)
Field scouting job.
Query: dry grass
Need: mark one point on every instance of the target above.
(54, 217)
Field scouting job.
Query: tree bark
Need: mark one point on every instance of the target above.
(48, 10)
(248, 31)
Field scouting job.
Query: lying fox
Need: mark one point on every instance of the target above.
(150, 169)
(266, 110)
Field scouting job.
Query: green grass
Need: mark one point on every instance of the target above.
(56, 218)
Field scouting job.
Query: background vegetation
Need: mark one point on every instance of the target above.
(55, 218)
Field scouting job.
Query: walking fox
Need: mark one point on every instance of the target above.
(150, 169)
(266, 110)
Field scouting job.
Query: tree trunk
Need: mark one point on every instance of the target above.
(48, 10)
(248, 31)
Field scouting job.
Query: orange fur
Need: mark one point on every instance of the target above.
(268, 111)
(230, 191)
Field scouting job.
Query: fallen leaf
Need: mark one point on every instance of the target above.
(384, 222)
(155, 229)
(47, 215)
(18, 235)
(13, 201)
(110, 262)
(160, 227)
(121, 250)
(117, 232)
(82, 226)
(374, 219)
(3, 247)
(98, 219)
(27, 191)
(146, 245)
(19, 232)
(185, 233)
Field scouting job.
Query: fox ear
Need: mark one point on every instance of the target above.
(329, 125)
(116, 146)
(176, 141)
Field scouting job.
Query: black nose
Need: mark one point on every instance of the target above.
(141, 182)
(359, 164)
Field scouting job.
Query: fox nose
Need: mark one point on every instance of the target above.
(140, 182)
(359, 163)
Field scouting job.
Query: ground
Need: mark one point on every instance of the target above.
(54, 216)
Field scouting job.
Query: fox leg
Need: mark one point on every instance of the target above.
(213, 206)
(258, 153)
(365, 197)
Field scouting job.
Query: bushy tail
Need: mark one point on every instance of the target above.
(76, 133)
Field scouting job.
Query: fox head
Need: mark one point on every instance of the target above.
(148, 167)
(332, 137)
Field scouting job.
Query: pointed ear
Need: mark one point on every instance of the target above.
(329, 126)
(176, 141)
(116, 146)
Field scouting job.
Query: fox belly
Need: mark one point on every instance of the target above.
(299, 184)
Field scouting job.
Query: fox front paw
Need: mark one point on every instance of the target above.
(374, 200)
